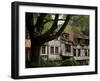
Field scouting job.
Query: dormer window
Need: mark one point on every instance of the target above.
(65, 36)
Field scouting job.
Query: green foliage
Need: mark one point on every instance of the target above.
(78, 24)
(51, 63)
(47, 26)
(47, 23)
(45, 63)
(69, 62)
(30, 64)
(80, 21)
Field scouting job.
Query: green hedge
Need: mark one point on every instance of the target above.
(69, 62)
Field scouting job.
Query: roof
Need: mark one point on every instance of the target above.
(78, 35)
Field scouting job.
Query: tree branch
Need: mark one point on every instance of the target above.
(54, 26)
(55, 35)
(39, 23)
(53, 20)
(63, 26)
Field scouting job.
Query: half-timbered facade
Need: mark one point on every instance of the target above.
(66, 46)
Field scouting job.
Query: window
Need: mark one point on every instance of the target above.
(47, 50)
(78, 39)
(86, 42)
(43, 50)
(74, 52)
(52, 50)
(68, 48)
(85, 51)
(56, 50)
(79, 52)
(88, 52)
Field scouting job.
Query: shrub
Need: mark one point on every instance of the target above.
(69, 62)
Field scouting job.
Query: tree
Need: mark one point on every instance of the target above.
(80, 23)
(36, 26)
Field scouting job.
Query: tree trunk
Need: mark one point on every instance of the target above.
(35, 54)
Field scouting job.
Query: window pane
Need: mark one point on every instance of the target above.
(74, 52)
(52, 50)
(85, 52)
(56, 50)
(88, 52)
(43, 49)
(79, 51)
(68, 48)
